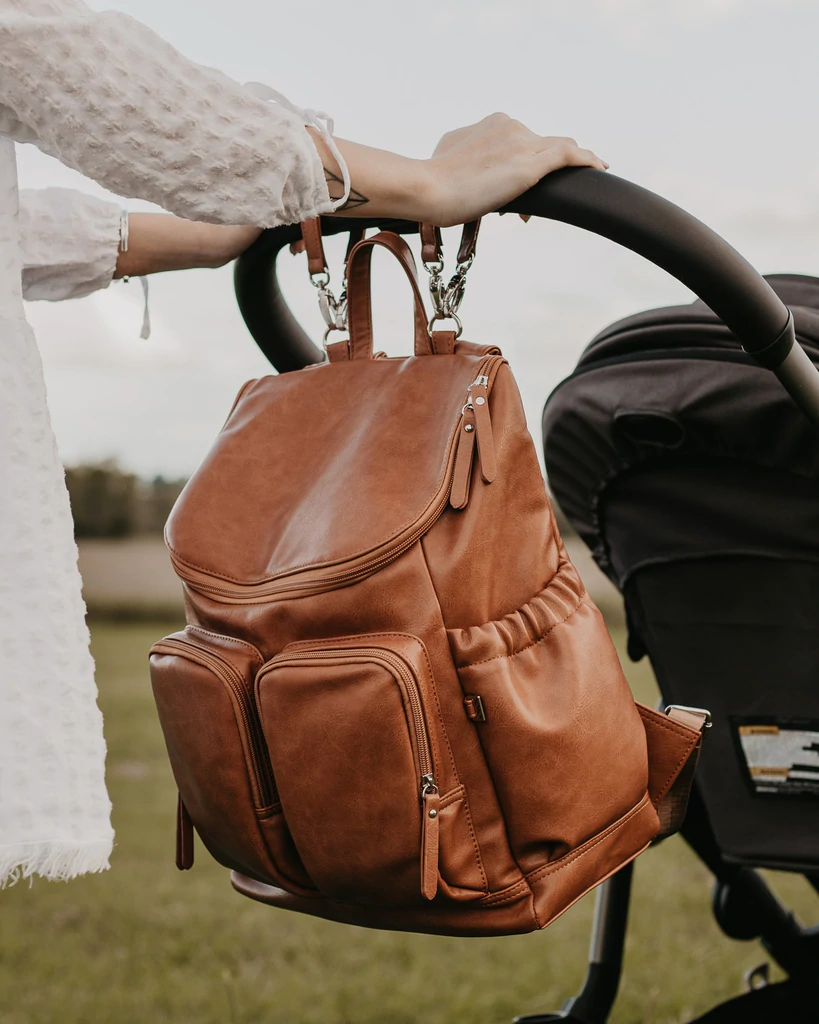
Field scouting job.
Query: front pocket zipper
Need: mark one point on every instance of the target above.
(319, 579)
(223, 670)
(319, 777)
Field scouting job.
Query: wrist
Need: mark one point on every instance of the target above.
(383, 184)
(414, 196)
(221, 244)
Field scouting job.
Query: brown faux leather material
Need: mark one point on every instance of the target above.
(311, 233)
(359, 305)
(395, 704)
(469, 240)
(674, 741)
(443, 342)
(432, 247)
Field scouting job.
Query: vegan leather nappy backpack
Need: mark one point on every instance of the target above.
(394, 702)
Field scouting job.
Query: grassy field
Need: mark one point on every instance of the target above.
(144, 944)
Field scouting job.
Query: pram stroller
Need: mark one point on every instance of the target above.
(719, 466)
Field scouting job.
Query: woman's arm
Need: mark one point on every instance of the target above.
(110, 98)
(70, 243)
(159, 242)
(473, 170)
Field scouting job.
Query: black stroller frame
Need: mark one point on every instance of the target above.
(743, 904)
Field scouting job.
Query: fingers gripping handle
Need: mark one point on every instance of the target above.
(359, 303)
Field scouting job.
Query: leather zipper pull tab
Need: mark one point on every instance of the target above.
(483, 428)
(430, 804)
(464, 456)
(184, 837)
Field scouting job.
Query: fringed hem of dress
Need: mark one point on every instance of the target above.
(56, 860)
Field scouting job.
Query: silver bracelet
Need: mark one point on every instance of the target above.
(123, 231)
(124, 225)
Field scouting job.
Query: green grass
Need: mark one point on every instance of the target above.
(144, 943)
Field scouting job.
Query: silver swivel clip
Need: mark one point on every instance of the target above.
(333, 310)
(447, 298)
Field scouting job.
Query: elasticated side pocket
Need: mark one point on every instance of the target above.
(562, 737)
(203, 686)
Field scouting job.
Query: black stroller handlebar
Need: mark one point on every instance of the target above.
(606, 205)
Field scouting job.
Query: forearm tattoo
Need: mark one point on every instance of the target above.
(335, 186)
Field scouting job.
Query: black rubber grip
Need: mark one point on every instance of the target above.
(595, 200)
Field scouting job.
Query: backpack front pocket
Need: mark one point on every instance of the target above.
(203, 686)
(354, 734)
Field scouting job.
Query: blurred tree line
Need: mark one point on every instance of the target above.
(107, 501)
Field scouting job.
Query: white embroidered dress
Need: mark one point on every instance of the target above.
(111, 99)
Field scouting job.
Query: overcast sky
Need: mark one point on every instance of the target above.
(711, 103)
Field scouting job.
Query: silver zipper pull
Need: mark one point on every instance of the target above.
(430, 804)
(478, 402)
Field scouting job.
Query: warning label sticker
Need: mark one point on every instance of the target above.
(782, 758)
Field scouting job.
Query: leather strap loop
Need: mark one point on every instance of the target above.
(443, 342)
(469, 239)
(359, 305)
(311, 233)
(432, 248)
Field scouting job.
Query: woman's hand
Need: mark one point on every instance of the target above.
(473, 171)
(482, 167)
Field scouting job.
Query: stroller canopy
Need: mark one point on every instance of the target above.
(671, 389)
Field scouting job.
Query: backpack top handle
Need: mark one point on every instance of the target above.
(600, 202)
(359, 267)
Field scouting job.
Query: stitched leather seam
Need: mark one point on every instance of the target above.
(404, 636)
(474, 838)
(475, 844)
(534, 911)
(676, 728)
(509, 897)
(324, 565)
(558, 865)
(362, 638)
(663, 721)
(452, 797)
(228, 639)
(240, 730)
(516, 889)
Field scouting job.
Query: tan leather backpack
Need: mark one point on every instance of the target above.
(395, 704)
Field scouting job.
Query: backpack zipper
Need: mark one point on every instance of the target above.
(223, 670)
(290, 585)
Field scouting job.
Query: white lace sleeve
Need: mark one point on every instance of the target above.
(69, 242)
(110, 98)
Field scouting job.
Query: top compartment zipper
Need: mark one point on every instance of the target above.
(318, 579)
